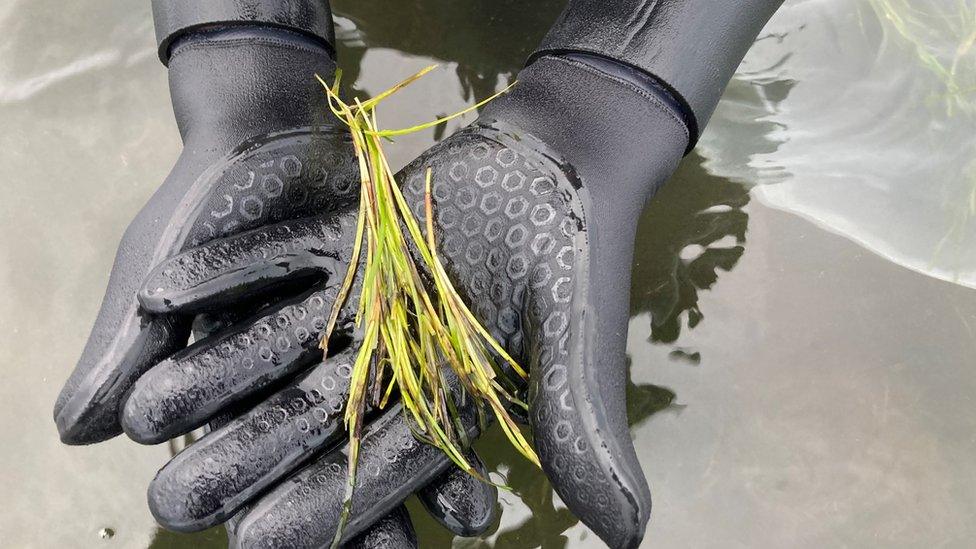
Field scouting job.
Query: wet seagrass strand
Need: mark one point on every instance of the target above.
(411, 317)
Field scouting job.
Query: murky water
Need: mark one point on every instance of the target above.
(804, 328)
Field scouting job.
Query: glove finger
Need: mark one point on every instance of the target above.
(123, 342)
(460, 502)
(87, 409)
(394, 531)
(184, 391)
(225, 271)
(577, 401)
(209, 481)
(304, 511)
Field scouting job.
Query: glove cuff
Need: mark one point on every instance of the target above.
(692, 47)
(174, 18)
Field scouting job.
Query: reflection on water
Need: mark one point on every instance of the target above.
(693, 229)
(864, 115)
(788, 388)
(484, 41)
(214, 538)
(943, 35)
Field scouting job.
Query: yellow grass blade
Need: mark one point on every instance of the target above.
(413, 326)
(432, 123)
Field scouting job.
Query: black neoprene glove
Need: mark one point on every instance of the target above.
(259, 146)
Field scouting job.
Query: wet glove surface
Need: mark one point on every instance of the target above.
(258, 148)
(392, 532)
(535, 207)
(455, 499)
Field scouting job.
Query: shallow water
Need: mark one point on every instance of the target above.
(803, 326)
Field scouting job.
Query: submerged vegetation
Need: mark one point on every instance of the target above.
(943, 36)
(417, 332)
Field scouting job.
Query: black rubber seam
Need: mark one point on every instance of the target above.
(685, 113)
(290, 37)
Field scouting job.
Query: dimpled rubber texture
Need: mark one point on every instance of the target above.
(214, 478)
(621, 142)
(173, 18)
(303, 511)
(293, 173)
(209, 481)
(463, 504)
(204, 485)
(694, 46)
(394, 531)
(284, 177)
(515, 245)
(184, 391)
(237, 171)
(248, 262)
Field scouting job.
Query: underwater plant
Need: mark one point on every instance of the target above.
(943, 36)
(417, 331)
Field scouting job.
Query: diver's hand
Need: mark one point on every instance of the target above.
(535, 207)
(211, 480)
(259, 147)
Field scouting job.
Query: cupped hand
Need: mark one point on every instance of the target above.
(258, 148)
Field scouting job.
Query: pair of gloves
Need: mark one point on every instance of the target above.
(535, 206)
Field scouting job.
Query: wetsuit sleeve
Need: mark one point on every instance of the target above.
(173, 18)
(691, 46)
